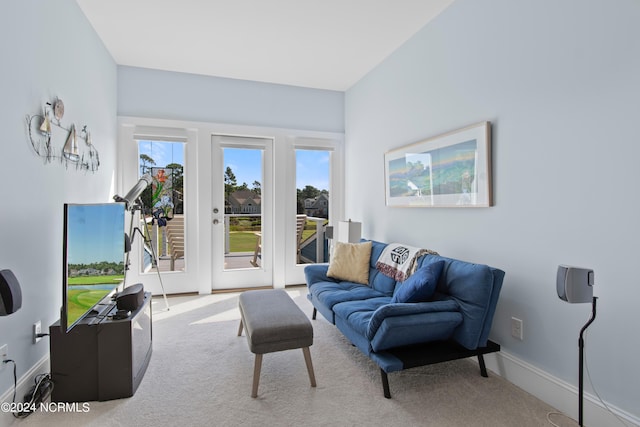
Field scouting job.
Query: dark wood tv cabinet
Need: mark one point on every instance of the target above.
(101, 358)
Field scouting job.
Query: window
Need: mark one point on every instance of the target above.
(243, 177)
(313, 200)
(163, 203)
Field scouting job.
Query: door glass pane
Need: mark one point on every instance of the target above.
(312, 214)
(244, 239)
(162, 222)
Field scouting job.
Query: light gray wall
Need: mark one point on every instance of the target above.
(560, 81)
(181, 96)
(47, 49)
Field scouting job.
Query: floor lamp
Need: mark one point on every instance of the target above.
(575, 285)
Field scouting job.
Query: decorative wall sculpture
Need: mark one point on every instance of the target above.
(52, 140)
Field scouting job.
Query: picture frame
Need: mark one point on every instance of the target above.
(451, 170)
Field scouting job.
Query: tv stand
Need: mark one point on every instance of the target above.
(101, 358)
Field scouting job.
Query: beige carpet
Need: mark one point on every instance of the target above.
(200, 375)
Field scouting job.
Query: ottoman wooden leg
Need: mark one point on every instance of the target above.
(240, 328)
(256, 375)
(307, 360)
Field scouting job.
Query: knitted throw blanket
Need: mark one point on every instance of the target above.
(399, 261)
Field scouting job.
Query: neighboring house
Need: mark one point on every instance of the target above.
(317, 206)
(85, 272)
(243, 201)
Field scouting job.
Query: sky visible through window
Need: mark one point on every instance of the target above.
(312, 167)
(163, 153)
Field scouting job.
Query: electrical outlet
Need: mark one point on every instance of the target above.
(516, 328)
(4, 355)
(37, 329)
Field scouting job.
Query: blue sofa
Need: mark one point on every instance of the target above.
(454, 323)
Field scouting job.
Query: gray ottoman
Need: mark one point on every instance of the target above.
(273, 322)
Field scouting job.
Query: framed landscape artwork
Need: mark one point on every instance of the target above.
(449, 170)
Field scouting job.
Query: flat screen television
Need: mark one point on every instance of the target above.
(93, 258)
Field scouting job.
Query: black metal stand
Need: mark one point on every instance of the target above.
(581, 362)
(436, 352)
(147, 241)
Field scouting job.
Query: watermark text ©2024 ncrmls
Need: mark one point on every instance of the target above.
(22, 407)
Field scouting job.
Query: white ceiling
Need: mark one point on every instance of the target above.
(325, 44)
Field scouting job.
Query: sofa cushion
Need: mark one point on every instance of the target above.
(350, 262)
(358, 313)
(332, 293)
(397, 331)
(402, 310)
(471, 286)
(386, 325)
(421, 285)
(377, 280)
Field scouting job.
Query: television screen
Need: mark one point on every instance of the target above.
(93, 252)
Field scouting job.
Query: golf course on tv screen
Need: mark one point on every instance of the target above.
(94, 262)
(85, 292)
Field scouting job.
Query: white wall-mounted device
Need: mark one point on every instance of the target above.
(574, 284)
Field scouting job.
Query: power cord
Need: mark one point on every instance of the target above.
(549, 414)
(39, 393)
(586, 365)
(15, 377)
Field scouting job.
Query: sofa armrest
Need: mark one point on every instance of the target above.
(315, 273)
(404, 309)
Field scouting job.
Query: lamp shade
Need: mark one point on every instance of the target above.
(349, 231)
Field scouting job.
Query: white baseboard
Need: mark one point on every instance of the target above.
(557, 393)
(24, 384)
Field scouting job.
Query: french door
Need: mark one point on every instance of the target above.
(241, 198)
(242, 212)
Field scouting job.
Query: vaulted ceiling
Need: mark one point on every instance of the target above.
(328, 44)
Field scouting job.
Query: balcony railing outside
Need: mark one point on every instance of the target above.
(314, 248)
(318, 238)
